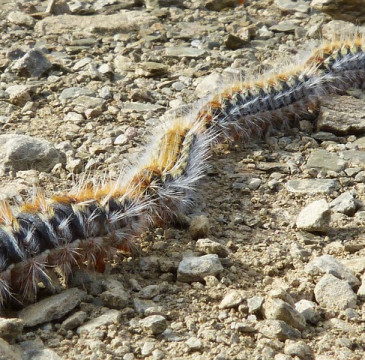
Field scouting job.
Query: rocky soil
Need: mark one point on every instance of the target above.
(271, 262)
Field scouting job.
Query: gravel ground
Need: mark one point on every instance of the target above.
(270, 263)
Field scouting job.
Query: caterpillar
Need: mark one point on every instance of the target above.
(88, 225)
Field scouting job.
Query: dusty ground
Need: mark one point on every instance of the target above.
(245, 197)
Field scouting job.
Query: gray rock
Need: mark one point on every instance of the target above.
(345, 204)
(20, 18)
(208, 246)
(108, 318)
(74, 321)
(199, 227)
(349, 10)
(327, 264)
(149, 292)
(121, 139)
(278, 329)
(181, 51)
(34, 63)
(314, 217)
(123, 21)
(75, 92)
(244, 326)
(142, 305)
(277, 309)
(51, 308)
(7, 352)
(194, 343)
(292, 5)
(322, 159)
(334, 294)
(88, 102)
(255, 304)
(299, 349)
(264, 33)
(354, 157)
(231, 300)
(312, 186)
(195, 268)
(10, 328)
(155, 324)
(22, 152)
(73, 117)
(334, 115)
(308, 310)
(115, 296)
(19, 94)
(285, 27)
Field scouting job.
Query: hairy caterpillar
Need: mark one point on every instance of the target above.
(87, 226)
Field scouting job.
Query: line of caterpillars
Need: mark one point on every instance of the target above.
(88, 226)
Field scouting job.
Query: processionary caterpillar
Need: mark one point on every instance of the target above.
(87, 226)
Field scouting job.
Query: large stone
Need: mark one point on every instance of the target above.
(277, 309)
(334, 294)
(345, 204)
(123, 21)
(322, 159)
(334, 115)
(349, 10)
(7, 352)
(195, 268)
(108, 318)
(327, 264)
(314, 217)
(34, 63)
(156, 324)
(278, 329)
(22, 152)
(312, 186)
(51, 308)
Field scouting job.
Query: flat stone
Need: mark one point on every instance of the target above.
(278, 309)
(35, 350)
(349, 10)
(108, 318)
(115, 297)
(51, 308)
(278, 329)
(285, 27)
(231, 300)
(354, 157)
(74, 321)
(334, 115)
(312, 186)
(355, 264)
(345, 204)
(20, 18)
(327, 264)
(33, 64)
(22, 152)
(314, 217)
(152, 69)
(75, 92)
(195, 268)
(208, 246)
(334, 294)
(292, 5)
(155, 324)
(142, 305)
(181, 51)
(322, 159)
(88, 102)
(308, 310)
(123, 21)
